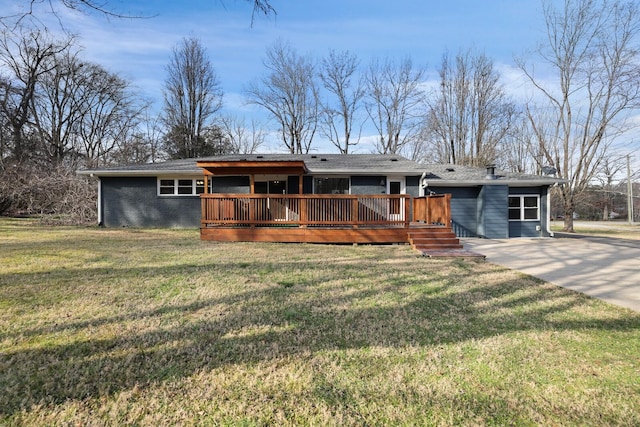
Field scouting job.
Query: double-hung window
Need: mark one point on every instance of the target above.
(180, 186)
(524, 208)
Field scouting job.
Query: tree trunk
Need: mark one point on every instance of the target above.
(569, 210)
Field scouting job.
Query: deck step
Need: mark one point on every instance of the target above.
(453, 253)
(443, 239)
(433, 239)
(437, 246)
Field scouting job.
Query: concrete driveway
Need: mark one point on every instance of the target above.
(602, 267)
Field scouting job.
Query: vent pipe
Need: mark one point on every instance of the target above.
(491, 172)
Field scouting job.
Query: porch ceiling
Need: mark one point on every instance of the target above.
(248, 167)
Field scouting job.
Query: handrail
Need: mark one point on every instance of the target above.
(433, 209)
(305, 210)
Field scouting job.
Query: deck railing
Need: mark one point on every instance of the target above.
(434, 209)
(306, 210)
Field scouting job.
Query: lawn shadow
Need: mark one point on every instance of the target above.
(283, 321)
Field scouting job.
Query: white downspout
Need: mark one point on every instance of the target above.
(549, 212)
(421, 184)
(99, 201)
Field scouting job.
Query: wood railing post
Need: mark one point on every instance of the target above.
(252, 211)
(355, 214)
(303, 212)
(203, 211)
(407, 213)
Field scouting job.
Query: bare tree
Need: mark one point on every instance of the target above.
(289, 93)
(592, 49)
(192, 95)
(145, 145)
(611, 167)
(111, 112)
(33, 10)
(470, 114)
(338, 75)
(243, 138)
(518, 150)
(28, 56)
(82, 111)
(395, 103)
(56, 110)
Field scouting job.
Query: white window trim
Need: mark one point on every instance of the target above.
(522, 208)
(401, 179)
(175, 186)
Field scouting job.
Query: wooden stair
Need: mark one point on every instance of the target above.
(422, 238)
(438, 242)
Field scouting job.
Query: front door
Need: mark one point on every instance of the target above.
(396, 206)
(275, 208)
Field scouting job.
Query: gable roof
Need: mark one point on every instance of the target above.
(338, 164)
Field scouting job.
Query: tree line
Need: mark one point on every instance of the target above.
(60, 112)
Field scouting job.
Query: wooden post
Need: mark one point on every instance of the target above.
(303, 211)
(300, 186)
(407, 206)
(355, 215)
(203, 215)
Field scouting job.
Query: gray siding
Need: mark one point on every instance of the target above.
(413, 185)
(493, 213)
(464, 207)
(134, 202)
(531, 228)
(524, 229)
(368, 185)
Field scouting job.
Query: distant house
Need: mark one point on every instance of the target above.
(319, 194)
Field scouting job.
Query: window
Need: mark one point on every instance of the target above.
(199, 186)
(167, 186)
(180, 186)
(331, 185)
(524, 208)
(185, 186)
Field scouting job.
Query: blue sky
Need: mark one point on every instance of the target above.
(139, 49)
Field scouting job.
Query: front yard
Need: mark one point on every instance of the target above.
(155, 327)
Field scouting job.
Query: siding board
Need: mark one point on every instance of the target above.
(493, 212)
(134, 202)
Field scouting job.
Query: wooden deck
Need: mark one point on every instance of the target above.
(379, 235)
(289, 218)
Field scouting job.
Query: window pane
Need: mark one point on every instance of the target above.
(185, 186)
(514, 202)
(331, 185)
(260, 187)
(167, 186)
(514, 213)
(531, 213)
(530, 202)
(394, 187)
(199, 186)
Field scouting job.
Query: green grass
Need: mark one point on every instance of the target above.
(155, 327)
(615, 229)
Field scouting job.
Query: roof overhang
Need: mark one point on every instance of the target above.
(140, 173)
(479, 183)
(248, 167)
